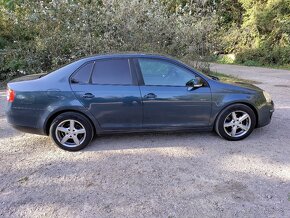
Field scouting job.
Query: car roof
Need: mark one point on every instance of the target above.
(126, 55)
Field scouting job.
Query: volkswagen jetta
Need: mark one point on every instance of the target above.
(132, 93)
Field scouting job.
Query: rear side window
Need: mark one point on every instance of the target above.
(83, 74)
(112, 72)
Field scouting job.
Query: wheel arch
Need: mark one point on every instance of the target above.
(54, 115)
(244, 103)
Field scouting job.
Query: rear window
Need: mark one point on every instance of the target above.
(83, 74)
(112, 72)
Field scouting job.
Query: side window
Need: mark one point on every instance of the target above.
(159, 72)
(83, 74)
(112, 72)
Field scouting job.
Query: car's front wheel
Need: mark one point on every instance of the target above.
(71, 131)
(235, 122)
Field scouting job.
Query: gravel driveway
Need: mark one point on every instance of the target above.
(154, 175)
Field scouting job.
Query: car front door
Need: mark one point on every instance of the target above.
(109, 90)
(167, 101)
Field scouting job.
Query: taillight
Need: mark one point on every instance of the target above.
(10, 95)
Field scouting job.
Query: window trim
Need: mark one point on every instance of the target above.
(77, 70)
(141, 79)
(138, 72)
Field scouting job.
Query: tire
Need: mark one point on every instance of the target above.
(235, 122)
(71, 131)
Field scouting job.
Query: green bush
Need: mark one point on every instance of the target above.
(48, 35)
(257, 31)
(225, 59)
(39, 36)
(265, 56)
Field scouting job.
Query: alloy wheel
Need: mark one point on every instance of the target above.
(237, 123)
(70, 133)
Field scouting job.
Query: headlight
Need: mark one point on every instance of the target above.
(267, 96)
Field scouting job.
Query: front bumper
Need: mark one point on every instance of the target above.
(265, 114)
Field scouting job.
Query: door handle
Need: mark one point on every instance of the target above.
(150, 96)
(88, 95)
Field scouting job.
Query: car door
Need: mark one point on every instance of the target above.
(109, 90)
(167, 101)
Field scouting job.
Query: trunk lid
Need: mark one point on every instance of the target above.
(28, 77)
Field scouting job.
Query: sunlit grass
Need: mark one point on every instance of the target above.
(228, 78)
(250, 63)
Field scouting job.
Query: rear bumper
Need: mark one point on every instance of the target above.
(265, 114)
(25, 120)
(28, 129)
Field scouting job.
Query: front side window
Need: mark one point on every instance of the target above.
(163, 73)
(83, 74)
(112, 72)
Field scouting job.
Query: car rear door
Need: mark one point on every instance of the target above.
(167, 102)
(108, 89)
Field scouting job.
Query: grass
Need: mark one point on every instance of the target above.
(230, 79)
(204, 67)
(250, 63)
(255, 64)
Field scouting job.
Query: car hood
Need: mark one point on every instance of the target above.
(238, 87)
(246, 85)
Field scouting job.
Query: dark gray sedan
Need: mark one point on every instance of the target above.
(132, 93)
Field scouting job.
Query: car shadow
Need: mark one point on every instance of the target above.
(6, 131)
(146, 140)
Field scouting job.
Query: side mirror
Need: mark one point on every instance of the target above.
(194, 83)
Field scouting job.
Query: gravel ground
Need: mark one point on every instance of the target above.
(154, 175)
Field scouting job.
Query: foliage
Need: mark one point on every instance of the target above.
(225, 59)
(38, 36)
(263, 36)
(47, 34)
(265, 56)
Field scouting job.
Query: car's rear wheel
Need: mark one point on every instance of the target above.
(71, 131)
(235, 122)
